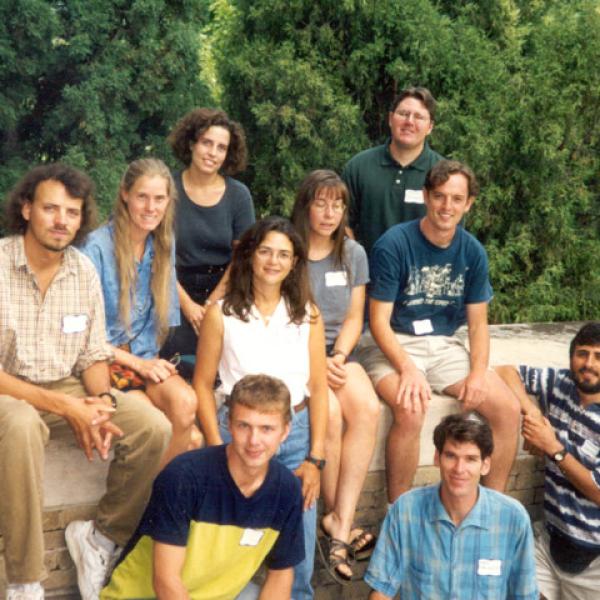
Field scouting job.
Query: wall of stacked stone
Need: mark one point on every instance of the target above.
(69, 472)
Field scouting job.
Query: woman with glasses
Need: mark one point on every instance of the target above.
(134, 255)
(267, 324)
(338, 272)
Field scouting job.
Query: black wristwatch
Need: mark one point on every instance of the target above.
(318, 462)
(113, 398)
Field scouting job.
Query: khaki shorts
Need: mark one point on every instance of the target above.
(557, 584)
(443, 359)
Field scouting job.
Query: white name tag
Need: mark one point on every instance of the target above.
(414, 197)
(333, 278)
(74, 323)
(422, 327)
(489, 567)
(251, 537)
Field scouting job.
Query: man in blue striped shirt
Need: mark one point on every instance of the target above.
(456, 540)
(567, 432)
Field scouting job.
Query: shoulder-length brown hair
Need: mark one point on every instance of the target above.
(187, 131)
(163, 240)
(313, 183)
(295, 288)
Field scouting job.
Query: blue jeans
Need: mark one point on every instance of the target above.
(291, 454)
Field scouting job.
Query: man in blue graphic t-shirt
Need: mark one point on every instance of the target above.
(429, 277)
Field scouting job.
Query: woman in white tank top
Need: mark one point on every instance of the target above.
(266, 323)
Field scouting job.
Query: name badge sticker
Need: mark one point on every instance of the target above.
(491, 567)
(422, 327)
(335, 278)
(414, 197)
(251, 537)
(74, 323)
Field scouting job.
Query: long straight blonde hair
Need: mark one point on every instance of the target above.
(163, 239)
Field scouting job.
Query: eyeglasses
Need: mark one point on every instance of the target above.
(322, 206)
(416, 117)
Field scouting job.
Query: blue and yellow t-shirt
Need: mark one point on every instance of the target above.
(195, 503)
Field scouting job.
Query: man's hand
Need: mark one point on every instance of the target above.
(336, 371)
(539, 433)
(155, 369)
(414, 392)
(194, 313)
(311, 481)
(89, 418)
(473, 390)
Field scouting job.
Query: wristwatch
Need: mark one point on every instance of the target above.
(113, 398)
(318, 462)
(559, 456)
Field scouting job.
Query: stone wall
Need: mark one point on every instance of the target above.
(72, 485)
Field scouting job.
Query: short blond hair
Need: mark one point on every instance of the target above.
(262, 393)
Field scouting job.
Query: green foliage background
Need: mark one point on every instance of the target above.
(98, 83)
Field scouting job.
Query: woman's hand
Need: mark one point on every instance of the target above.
(310, 477)
(194, 313)
(336, 371)
(155, 369)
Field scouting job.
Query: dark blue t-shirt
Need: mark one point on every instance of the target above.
(428, 285)
(196, 503)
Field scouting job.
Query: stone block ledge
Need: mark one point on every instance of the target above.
(72, 485)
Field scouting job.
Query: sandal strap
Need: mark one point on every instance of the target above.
(335, 545)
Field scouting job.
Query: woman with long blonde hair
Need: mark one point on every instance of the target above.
(134, 254)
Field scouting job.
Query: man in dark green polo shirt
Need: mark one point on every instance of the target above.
(386, 182)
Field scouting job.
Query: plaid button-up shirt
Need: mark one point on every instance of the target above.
(45, 339)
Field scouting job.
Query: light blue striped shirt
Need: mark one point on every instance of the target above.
(422, 554)
(578, 429)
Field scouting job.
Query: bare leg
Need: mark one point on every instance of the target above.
(360, 410)
(501, 408)
(178, 401)
(403, 441)
(333, 449)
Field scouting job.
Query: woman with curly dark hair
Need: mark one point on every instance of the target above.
(267, 323)
(212, 213)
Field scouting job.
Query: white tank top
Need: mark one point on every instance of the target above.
(279, 349)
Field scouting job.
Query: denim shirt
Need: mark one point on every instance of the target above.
(141, 336)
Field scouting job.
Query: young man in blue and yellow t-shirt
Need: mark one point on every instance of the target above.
(215, 514)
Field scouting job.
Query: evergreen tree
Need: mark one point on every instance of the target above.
(95, 83)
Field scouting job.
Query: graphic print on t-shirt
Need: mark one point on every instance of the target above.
(433, 284)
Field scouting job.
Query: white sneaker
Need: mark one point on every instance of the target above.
(91, 562)
(25, 591)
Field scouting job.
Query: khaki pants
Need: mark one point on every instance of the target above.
(24, 431)
(556, 584)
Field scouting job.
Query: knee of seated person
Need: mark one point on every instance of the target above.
(500, 400)
(371, 406)
(407, 419)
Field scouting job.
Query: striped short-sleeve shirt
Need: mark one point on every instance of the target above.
(578, 429)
